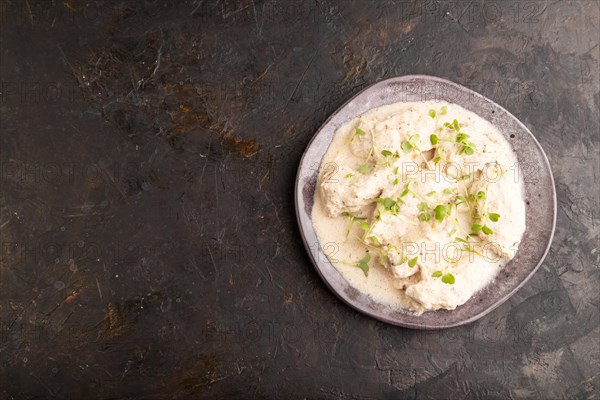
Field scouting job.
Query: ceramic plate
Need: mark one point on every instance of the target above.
(540, 198)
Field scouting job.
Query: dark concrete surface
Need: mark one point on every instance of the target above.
(148, 236)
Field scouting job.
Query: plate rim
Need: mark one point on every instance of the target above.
(416, 326)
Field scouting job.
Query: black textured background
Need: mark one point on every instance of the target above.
(148, 235)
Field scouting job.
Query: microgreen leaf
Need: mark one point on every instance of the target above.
(448, 278)
(414, 139)
(406, 147)
(430, 193)
(434, 139)
(412, 262)
(437, 274)
(396, 181)
(440, 212)
(456, 126)
(494, 217)
(349, 175)
(461, 240)
(481, 195)
(387, 153)
(432, 113)
(375, 240)
(357, 132)
(422, 206)
(466, 146)
(365, 226)
(476, 227)
(363, 169)
(461, 137)
(487, 230)
(405, 192)
(364, 264)
(447, 191)
(443, 110)
(424, 217)
(388, 203)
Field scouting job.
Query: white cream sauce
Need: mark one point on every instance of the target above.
(391, 151)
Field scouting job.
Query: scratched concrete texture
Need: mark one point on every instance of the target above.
(149, 243)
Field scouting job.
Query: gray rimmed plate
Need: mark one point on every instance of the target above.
(540, 199)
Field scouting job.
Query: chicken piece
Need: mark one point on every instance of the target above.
(348, 190)
(501, 192)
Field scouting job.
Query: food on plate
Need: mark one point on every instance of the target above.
(419, 204)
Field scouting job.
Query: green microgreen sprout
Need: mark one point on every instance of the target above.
(364, 264)
(424, 214)
(440, 212)
(350, 175)
(352, 218)
(471, 201)
(365, 167)
(424, 205)
(435, 115)
(388, 204)
(396, 173)
(447, 278)
(493, 217)
(366, 227)
(410, 144)
(485, 229)
(357, 132)
(374, 240)
(389, 156)
(378, 216)
(466, 146)
(374, 245)
(412, 262)
(387, 153)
